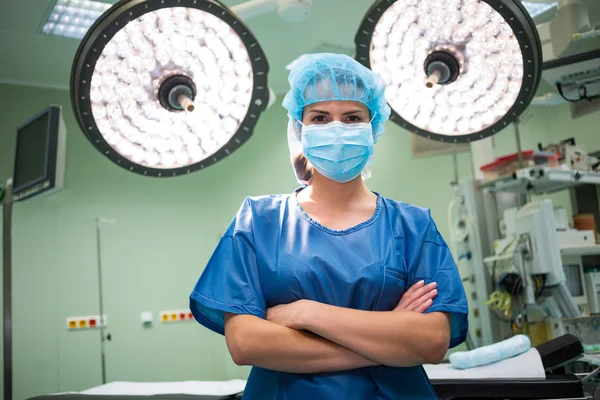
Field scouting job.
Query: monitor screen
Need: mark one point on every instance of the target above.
(32, 144)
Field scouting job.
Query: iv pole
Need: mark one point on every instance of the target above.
(7, 202)
(103, 337)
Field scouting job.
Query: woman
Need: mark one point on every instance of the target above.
(308, 288)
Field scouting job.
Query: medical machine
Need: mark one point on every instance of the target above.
(578, 158)
(572, 156)
(532, 226)
(566, 236)
(575, 77)
(538, 253)
(40, 155)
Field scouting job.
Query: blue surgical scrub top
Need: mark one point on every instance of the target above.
(274, 253)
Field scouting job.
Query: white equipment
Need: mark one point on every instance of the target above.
(538, 243)
(574, 238)
(538, 253)
(576, 157)
(575, 281)
(592, 285)
(576, 77)
(470, 240)
(569, 66)
(562, 221)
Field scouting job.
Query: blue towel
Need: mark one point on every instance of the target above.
(490, 354)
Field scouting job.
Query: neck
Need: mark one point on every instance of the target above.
(325, 191)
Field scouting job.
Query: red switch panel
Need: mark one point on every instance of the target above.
(85, 322)
(176, 315)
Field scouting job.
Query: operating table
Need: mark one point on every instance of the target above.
(554, 355)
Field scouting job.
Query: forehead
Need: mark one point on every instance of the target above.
(337, 106)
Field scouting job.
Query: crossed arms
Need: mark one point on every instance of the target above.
(311, 337)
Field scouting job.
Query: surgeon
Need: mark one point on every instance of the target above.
(333, 291)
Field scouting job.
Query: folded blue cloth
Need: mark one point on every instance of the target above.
(490, 354)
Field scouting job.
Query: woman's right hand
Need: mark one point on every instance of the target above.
(418, 298)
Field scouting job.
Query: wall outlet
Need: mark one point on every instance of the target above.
(146, 317)
(86, 322)
(176, 315)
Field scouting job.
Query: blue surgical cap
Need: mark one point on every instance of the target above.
(315, 78)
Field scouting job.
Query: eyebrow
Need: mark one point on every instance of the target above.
(346, 113)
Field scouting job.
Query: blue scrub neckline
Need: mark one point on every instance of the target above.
(335, 231)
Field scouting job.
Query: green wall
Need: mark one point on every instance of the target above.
(164, 233)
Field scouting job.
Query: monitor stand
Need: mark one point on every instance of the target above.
(7, 203)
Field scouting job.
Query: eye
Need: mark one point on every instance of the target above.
(319, 119)
(353, 119)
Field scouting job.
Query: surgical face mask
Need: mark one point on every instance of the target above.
(338, 151)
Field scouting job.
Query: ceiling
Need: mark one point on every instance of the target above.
(30, 58)
(34, 59)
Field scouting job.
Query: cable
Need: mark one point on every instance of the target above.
(581, 97)
(585, 96)
(560, 91)
(517, 287)
(508, 246)
(540, 281)
(500, 317)
(454, 227)
(451, 206)
(494, 275)
(496, 214)
(499, 300)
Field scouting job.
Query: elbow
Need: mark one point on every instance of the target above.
(238, 358)
(436, 356)
(237, 350)
(437, 349)
(236, 339)
(241, 332)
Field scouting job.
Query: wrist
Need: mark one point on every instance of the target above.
(305, 315)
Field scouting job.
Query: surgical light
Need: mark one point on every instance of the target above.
(457, 70)
(167, 87)
(72, 18)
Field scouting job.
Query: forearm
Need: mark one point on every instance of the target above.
(256, 342)
(395, 338)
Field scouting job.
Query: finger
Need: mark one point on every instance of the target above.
(423, 307)
(422, 291)
(414, 287)
(404, 306)
(423, 299)
(415, 292)
(408, 296)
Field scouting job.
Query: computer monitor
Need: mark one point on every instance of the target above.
(40, 155)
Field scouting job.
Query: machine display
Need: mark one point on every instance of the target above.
(39, 166)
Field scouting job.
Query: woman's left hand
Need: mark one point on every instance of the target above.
(418, 298)
(289, 315)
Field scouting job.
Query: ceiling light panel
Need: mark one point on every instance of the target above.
(73, 18)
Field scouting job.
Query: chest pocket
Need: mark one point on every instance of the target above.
(395, 283)
(354, 284)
